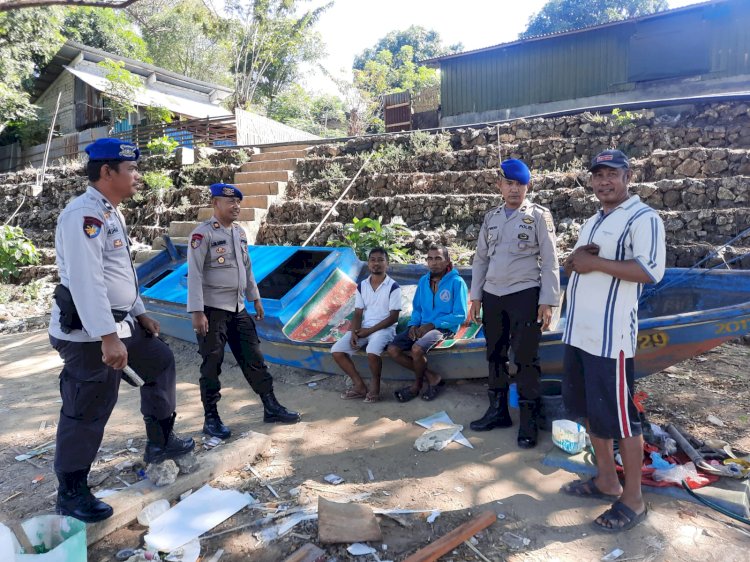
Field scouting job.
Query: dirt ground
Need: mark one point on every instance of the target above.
(349, 438)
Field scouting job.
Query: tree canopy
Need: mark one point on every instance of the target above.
(565, 15)
(106, 29)
(425, 44)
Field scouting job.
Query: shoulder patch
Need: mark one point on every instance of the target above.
(196, 240)
(92, 227)
(548, 221)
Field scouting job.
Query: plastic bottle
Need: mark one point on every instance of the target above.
(153, 510)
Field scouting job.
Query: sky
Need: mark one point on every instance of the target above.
(350, 26)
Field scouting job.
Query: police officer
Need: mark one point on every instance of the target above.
(220, 278)
(99, 325)
(516, 281)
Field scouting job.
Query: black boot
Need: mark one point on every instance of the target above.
(162, 443)
(497, 414)
(76, 500)
(275, 412)
(213, 425)
(529, 424)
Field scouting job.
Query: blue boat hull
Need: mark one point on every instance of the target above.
(695, 312)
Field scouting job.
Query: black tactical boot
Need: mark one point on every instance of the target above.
(275, 412)
(529, 424)
(497, 414)
(213, 425)
(162, 443)
(76, 500)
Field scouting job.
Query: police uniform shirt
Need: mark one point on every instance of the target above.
(516, 253)
(93, 258)
(602, 314)
(220, 274)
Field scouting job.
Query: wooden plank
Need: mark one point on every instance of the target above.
(457, 536)
(308, 553)
(346, 523)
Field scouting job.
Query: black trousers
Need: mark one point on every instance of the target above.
(238, 330)
(510, 323)
(89, 390)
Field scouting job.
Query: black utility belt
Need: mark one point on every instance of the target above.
(69, 319)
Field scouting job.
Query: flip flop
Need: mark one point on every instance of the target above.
(405, 394)
(371, 399)
(352, 395)
(586, 489)
(433, 391)
(620, 518)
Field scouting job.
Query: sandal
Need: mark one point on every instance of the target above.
(619, 518)
(352, 394)
(371, 398)
(586, 489)
(405, 394)
(433, 391)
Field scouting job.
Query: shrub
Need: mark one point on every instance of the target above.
(362, 235)
(15, 251)
(425, 144)
(157, 181)
(161, 145)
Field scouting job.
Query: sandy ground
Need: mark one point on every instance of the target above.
(348, 438)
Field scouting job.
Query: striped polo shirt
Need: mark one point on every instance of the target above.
(603, 310)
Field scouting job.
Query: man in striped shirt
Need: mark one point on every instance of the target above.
(619, 250)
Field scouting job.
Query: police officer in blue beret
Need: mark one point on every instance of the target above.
(99, 325)
(516, 283)
(220, 280)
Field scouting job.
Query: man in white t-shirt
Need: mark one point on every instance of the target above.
(619, 249)
(376, 308)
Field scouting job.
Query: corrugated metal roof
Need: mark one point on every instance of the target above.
(436, 60)
(182, 101)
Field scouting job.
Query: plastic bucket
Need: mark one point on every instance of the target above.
(569, 436)
(56, 538)
(552, 407)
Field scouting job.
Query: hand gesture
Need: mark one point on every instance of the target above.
(475, 312)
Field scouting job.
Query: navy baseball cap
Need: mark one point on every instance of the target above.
(225, 190)
(513, 169)
(112, 149)
(611, 159)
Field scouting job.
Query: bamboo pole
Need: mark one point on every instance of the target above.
(457, 536)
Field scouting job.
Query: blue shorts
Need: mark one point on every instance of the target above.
(601, 390)
(426, 342)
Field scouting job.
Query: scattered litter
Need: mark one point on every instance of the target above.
(398, 519)
(187, 463)
(124, 465)
(209, 444)
(384, 547)
(125, 553)
(569, 436)
(359, 549)
(127, 484)
(370, 475)
(183, 495)
(444, 418)
(133, 450)
(501, 516)
(153, 510)
(284, 526)
(701, 359)
(307, 553)
(186, 553)
(614, 555)
(294, 492)
(43, 425)
(315, 379)
(36, 452)
(473, 548)
(312, 384)
(514, 541)
(459, 489)
(163, 473)
(334, 479)
(438, 437)
(96, 478)
(129, 444)
(105, 493)
(201, 511)
(37, 479)
(716, 421)
(434, 515)
(263, 481)
(346, 522)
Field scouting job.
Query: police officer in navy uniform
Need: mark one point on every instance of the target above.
(99, 325)
(516, 282)
(220, 279)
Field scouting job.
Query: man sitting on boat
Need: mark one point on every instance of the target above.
(377, 304)
(220, 278)
(619, 249)
(439, 308)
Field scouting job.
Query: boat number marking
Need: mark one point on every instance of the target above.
(732, 327)
(652, 340)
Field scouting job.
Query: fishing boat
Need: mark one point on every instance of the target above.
(308, 297)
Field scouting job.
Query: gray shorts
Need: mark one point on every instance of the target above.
(426, 342)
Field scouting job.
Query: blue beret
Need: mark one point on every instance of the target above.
(112, 149)
(225, 190)
(515, 170)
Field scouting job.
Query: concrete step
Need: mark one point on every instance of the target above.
(270, 165)
(264, 156)
(253, 177)
(262, 188)
(182, 228)
(258, 201)
(284, 148)
(145, 255)
(158, 243)
(206, 213)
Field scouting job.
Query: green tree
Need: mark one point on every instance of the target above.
(28, 39)
(323, 115)
(564, 15)
(106, 29)
(121, 90)
(388, 73)
(425, 43)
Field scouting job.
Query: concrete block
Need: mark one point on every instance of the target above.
(252, 177)
(184, 156)
(270, 165)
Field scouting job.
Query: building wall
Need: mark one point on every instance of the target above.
(66, 118)
(705, 44)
